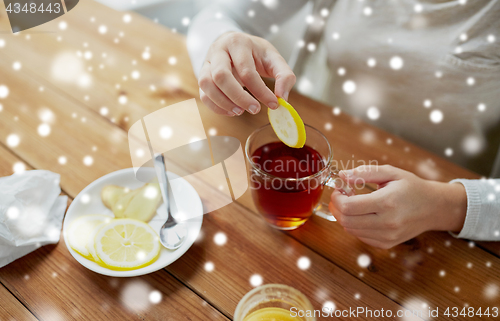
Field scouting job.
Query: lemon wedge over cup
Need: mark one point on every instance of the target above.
(126, 244)
(287, 124)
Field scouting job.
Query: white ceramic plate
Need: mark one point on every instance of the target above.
(88, 201)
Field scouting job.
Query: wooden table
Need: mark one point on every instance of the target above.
(433, 270)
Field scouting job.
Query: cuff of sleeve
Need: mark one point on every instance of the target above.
(473, 208)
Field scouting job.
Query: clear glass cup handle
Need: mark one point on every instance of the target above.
(334, 181)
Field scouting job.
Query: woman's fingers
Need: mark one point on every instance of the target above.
(244, 64)
(223, 78)
(214, 93)
(212, 106)
(373, 174)
(236, 61)
(279, 70)
(366, 228)
(361, 222)
(356, 204)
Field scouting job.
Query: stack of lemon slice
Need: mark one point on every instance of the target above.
(125, 242)
(117, 244)
(82, 231)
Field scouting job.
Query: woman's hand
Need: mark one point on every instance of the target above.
(236, 60)
(402, 207)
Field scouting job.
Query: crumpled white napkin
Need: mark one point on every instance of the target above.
(31, 213)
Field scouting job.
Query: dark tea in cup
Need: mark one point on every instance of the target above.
(284, 198)
(287, 182)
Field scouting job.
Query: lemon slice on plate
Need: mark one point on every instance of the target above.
(91, 243)
(80, 232)
(126, 244)
(287, 124)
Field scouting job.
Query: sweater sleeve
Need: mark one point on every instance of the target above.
(255, 17)
(483, 209)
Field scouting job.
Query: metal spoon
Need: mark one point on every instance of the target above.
(172, 233)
